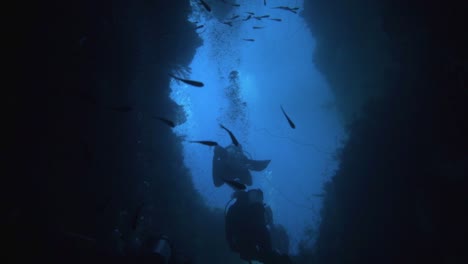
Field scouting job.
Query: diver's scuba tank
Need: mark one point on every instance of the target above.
(161, 248)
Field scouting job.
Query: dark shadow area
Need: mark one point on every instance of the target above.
(399, 195)
(88, 170)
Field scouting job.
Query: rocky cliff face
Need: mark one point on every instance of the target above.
(398, 195)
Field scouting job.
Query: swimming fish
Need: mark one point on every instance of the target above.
(276, 19)
(233, 138)
(287, 8)
(189, 82)
(291, 124)
(165, 121)
(264, 16)
(235, 185)
(256, 27)
(264, 2)
(251, 40)
(205, 142)
(247, 18)
(234, 17)
(200, 26)
(207, 7)
(250, 13)
(229, 23)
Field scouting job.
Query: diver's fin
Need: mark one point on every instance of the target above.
(231, 135)
(257, 165)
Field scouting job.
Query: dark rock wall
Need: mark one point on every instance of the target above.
(399, 195)
(82, 151)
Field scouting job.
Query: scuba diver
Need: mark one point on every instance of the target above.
(153, 249)
(246, 229)
(230, 163)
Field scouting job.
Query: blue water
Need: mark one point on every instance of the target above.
(276, 69)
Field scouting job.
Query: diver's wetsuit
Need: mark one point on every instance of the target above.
(246, 229)
(231, 163)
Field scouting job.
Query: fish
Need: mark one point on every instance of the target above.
(249, 39)
(287, 8)
(247, 18)
(189, 82)
(291, 124)
(122, 108)
(234, 17)
(250, 13)
(235, 185)
(281, 7)
(264, 2)
(165, 121)
(205, 142)
(276, 19)
(236, 5)
(205, 5)
(258, 17)
(256, 27)
(137, 216)
(233, 138)
(229, 23)
(264, 16)
(200, 26)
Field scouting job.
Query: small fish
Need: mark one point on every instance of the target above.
(234, 17)
(236, 5)
(286, 8)
(264, 16)
(137, 216)
(291, 124)
(257, 17)
(207, 7)
(235, 185)
(249, 39)
(281, 7)
(250, 13)
(205, 142)
(231, 135)
(264, 2)
(229, 23)
(276, 19)
(200, 26)
(256, 27)
(189, 82)
(122, 108)
(247, 18)
(165, 121)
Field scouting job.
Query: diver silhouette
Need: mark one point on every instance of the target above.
(246, 229)
(231, 163)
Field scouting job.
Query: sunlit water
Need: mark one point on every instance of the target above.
(276, 69)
